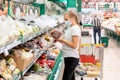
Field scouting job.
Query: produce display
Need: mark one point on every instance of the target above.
(35, 77)
(110, 23)
(117, 28)
(43, 66)
(12, 30)
(22, 29)
(8, 68)
(23, 55)
(44, 22)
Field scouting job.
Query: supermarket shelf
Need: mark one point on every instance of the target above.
(16, 43)
(24, 1)
(59, 69)
(38, 55)
(31, 37)
(56, 68)
(21, 74)
(113, 35)
(10, 46)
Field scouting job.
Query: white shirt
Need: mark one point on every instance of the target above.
(96, 22)
(66, 50)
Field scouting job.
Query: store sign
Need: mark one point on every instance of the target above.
(72, 9)
(87, 10)
(40, 1)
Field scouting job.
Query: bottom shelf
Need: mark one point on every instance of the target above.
(22, 73)
(57, 68)
(55, 71)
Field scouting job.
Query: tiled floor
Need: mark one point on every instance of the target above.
(111, 62)
(111, 68)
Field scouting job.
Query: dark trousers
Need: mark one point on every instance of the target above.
(95, 31)
(70, 65)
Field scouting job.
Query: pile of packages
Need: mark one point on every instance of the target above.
(44, 22)
(43, 66)
(110, 23)
(22, 56)
(8, 68)
(45, 63)
(12, 30)
(23, 28)
(88, 69)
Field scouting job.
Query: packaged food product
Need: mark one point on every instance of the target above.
(56, 34)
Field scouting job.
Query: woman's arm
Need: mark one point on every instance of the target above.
(118, 31)
(73, 44)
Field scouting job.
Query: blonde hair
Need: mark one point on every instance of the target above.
(71, 14)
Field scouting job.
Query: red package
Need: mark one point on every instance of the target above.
(50, 63)
(56, 34)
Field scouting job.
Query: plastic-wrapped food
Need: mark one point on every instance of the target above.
(35, 77)
(56, 34)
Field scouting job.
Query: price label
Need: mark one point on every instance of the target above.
(6, 53)
(2, 49)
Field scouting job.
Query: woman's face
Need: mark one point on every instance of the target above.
(66, 17)
(68, 21)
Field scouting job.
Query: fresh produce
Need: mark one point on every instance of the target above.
(36, 66)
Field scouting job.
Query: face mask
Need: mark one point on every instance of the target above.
(68, 23)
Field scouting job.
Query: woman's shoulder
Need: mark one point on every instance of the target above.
(75, 27)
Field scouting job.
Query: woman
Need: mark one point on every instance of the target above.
(70, 41)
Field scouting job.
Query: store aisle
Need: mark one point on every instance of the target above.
(111, 62)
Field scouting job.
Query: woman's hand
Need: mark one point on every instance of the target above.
(60, 40)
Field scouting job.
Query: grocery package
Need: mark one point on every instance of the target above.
(88, 69)
(22, 58)
(56, 34)
(43, 60)
(8, 68)
(35, 77)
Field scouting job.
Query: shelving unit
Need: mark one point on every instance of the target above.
(57, 68)
(14, 44)
(23, 39)
(22, 73)
(112, 34)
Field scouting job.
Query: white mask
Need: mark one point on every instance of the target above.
(68, 23)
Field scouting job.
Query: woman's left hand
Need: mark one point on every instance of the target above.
(60, 40)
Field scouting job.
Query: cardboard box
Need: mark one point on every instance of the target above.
(22, 64)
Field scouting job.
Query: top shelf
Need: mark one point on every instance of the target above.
(18, 42)
(24, 1)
